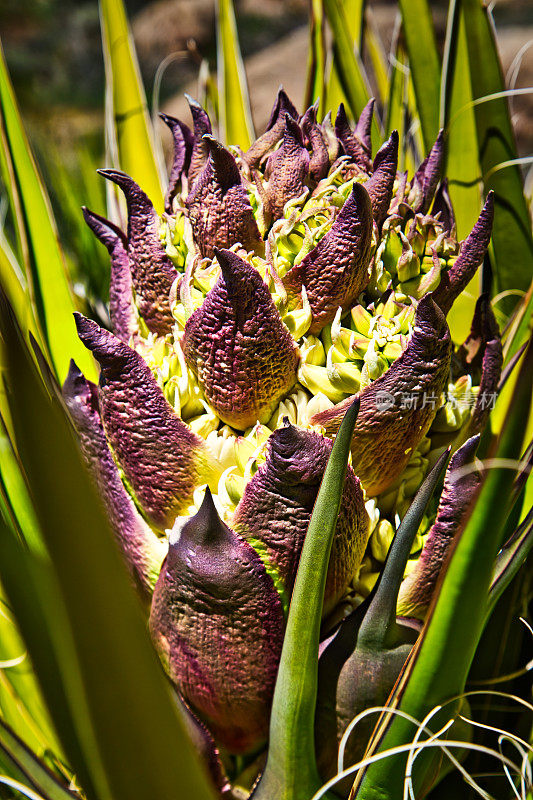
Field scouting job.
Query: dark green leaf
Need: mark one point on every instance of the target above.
(348, 65)
(438, 667)
(45, 268)
(129, 130)
(316, 68)
(512, 244)
(354, 15)
(235, 119)
(139, 747)
(424, 64)
(291, 772)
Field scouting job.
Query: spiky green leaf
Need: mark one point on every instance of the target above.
(131, 139)
(512, 244)
(291, 771)
(112, 657)
(424, 64)
(235, 119)
(45, 270)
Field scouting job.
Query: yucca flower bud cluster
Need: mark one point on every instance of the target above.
(278, 284)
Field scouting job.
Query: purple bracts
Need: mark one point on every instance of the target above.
(278, 501)
(152, 271)
(336, 270)
(461, 485)
(218, 622)
(162, 460)
(219, 209)
(386, 432)
(143, 551)
(236, 344)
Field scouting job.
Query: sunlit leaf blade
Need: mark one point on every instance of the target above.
(135, 140)
(21, 703)
(14, 284)
(462, 167)
(512, 244)
(424, 64)
(354, 15)
(377, 56)
(398, 111)
(41, 618)
(515, 435)
(440, 660)
(528, 496)
(17, 496)
(316, 67)
(46, 268)
(395, 115)
(512, 414)
(291, 772)
(70, 189)
(520, 324)
(35, 773)
(235, 119)
(9, 188)
(123, 684)
(457, 117)
(348, 64)
(415, 139)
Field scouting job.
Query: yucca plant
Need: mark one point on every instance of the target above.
(317, 480)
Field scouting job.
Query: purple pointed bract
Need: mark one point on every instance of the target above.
(483, 351)
(461, 485)
(218, 622)
(335, 272)
(381, 184)
(358, 151)
(319, 159)
(286, 170)
(388, 429)
(427, 177)
(121, 308)
(278, 501)
(363, 127)
(236, 344)
(152, 271)
(219, 209)
(274, 130)
(162, 459)
(282, 105)
(200, 151)
(443, 205)
(143, 551)
(183, 139)
(454, 280)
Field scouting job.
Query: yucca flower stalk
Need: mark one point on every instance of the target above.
(279, 396)
(240, 339)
